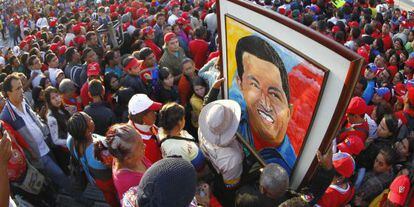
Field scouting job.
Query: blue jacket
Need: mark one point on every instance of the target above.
(10, 116)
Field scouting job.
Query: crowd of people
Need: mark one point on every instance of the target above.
(142, 120)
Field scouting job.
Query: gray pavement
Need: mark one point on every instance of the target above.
(405, 4)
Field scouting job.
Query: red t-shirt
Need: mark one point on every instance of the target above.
(155, 49)
(152, 149)
(84, 94)
(387, 41)
(199, 51)
(336, 196)
(184, 90)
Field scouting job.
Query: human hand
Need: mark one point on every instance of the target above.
(5, 150)
(326, 159)
(217, 83)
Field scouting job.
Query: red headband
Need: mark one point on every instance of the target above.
(133, 63)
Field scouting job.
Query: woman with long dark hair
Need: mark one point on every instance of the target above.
(56, 117)
(81, 127)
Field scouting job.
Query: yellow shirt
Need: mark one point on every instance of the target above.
(196, 105)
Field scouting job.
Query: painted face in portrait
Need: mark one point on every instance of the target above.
(267, 105)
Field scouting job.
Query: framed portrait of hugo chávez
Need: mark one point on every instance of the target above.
(292, 83)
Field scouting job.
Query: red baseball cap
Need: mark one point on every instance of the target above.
(169, 36)
(147, 30)
(185, 15)
(93, 69)
(393, 70)
(54, 47)
(357, 106)
(80, 40)
(112, 8)
(409, 63)
(180, 20)
(53, 23)
(399, 190)
(343, 163)
(353, 24)
(22, 44)
(62, 50)
(362, 51)
(352, 145)
(141, 12)
(400, 89)
(76, 29)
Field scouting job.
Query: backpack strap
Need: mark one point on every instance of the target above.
(176, 138)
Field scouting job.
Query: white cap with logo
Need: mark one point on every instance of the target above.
(140, 103)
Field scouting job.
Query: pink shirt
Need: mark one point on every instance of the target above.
(125, 178)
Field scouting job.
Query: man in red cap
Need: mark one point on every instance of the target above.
(173, 55)
(340, 192)
(132, 68)
(356, 123)
(93, 73)
(149, 35)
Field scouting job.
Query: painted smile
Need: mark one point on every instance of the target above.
(265, 116)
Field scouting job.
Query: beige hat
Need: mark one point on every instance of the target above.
(219, 121)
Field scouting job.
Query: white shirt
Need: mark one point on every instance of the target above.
(34, 130)
(68, 38)
(54, 130)
(144, 128)
(131, 29)
(186, 149)
(211, 22)
(172, 19)
(228, 161)
(52, 75)
(372, 126)
(42, 22)
(36, 80)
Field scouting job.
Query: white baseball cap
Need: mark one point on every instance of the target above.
(140, 103)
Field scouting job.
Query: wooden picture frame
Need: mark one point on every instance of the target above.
(293, 42)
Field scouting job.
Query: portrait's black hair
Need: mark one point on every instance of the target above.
(262, 50)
